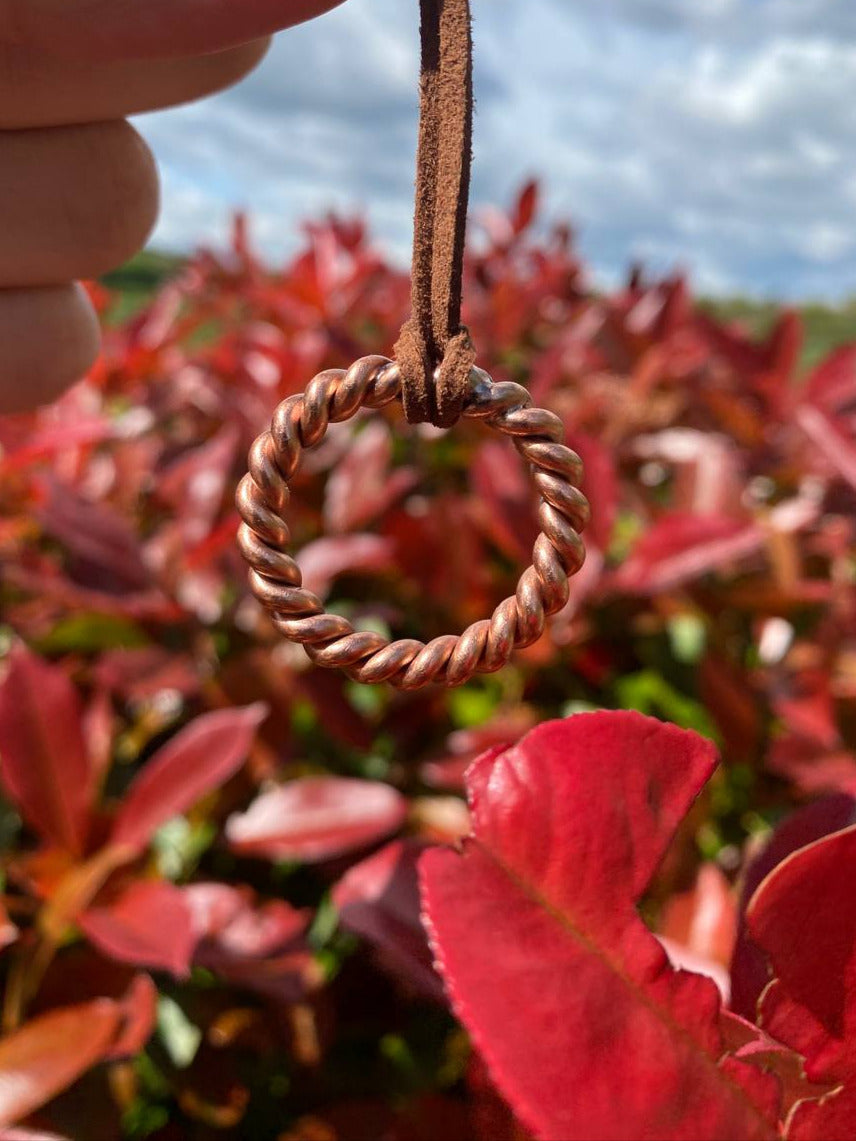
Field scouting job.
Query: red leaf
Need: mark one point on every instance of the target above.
(195, 484)
(378, 900)
(809, 709)
(261, 948)
(833, 383)
(812, 1005)
(362, 486)
(507, 500)
(466, 745)
(104, 546)
(832, 1119)
(600, 485)
(586, 1029)
(679, 548)
(748, 1044)
(324, 560)
(830, 441)
(784, 349)
(229, 917)
(50, 1053)
(526, 207)
(197, 760)
(143, 673)
(316, 818)
(750, 971)
(47, 441)
(149, 925)
(43, 759)
(811, 769)
(139, 1008)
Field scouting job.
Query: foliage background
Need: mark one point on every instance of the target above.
(265, 972)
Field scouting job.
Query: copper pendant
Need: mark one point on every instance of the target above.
(373, 382)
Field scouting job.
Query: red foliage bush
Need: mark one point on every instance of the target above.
(211, 920)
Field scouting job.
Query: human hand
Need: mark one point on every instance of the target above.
(78, 186)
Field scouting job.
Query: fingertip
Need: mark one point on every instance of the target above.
(50, 339)
(157, 29)
(76, 201)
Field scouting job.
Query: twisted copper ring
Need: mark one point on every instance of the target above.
(330, 640)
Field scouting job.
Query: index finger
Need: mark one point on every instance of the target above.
(146, 29)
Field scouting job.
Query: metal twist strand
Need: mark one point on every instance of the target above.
(301, 422)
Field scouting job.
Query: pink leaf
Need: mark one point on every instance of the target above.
(50, 1053)
(43, 757)
(585, 1027)
(747, 1043)
(8, 931)
(703, 919)
(147, 926)
(197, 760)
(316, 818)
(698, 927)
(29, 1135)
(378, 900)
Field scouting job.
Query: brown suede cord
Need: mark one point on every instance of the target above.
(434, 352)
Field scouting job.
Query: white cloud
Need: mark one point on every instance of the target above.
(717, 134)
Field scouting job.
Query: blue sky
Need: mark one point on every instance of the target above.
(716, 135)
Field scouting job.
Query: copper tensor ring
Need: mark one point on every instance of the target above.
(301, 422)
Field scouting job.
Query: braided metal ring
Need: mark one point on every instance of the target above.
(301, 422)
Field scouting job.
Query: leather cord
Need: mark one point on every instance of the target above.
(434, 351)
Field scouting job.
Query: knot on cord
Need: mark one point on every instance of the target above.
(434, 351)
(434, 394)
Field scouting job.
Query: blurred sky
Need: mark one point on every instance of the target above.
(719, 135)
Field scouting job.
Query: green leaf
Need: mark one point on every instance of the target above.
(475, 704)
(180, 1037)
(88, 633)
(648, 692)
(688, 638)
